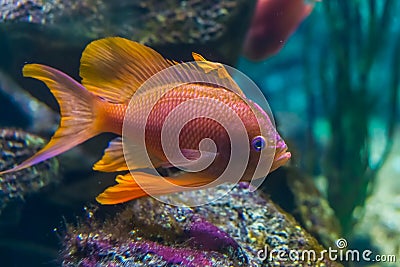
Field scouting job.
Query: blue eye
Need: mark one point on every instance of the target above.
(258, 143)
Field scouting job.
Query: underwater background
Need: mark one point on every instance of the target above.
(332, 82)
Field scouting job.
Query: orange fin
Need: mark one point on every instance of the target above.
(209, 66)
(114, 159)
(128, 188)
(78, 108)
(223, 74)
(114, 68)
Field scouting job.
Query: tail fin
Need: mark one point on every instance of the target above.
(78, 113)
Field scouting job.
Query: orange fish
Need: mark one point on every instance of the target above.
(112, 71)
(273, 22)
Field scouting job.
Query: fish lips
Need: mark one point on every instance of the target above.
(281, 155)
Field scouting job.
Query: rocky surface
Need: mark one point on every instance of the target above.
(15, 147)
(298, 195)
(235, 230)
(175, 27)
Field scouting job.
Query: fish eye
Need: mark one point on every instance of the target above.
(258, 143)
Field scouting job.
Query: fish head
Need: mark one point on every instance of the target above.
(268, 151)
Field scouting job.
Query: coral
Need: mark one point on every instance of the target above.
(228, 232)
(16, 146)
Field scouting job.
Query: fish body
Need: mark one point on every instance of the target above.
(273, 22)
(197, 129)
(112, 71)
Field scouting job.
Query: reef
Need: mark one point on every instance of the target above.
(15, 147)
(239, 229)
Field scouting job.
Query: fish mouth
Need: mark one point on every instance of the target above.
(281, 155)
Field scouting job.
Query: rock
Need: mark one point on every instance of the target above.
(298, 195)
(176, 28)
(15, 147)
(236, 230)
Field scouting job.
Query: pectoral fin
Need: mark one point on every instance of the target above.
(114, 158)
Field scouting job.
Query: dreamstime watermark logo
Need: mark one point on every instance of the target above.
(339, 253)
(167, 109)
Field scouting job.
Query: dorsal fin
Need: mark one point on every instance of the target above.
(209, 66)
(114, 68)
